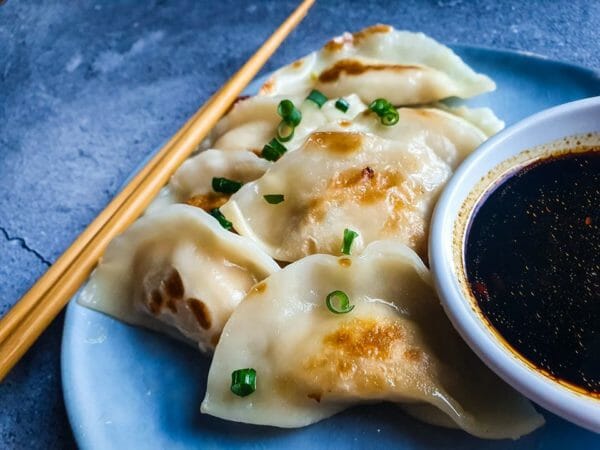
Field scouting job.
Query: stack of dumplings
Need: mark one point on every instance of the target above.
(294, 249)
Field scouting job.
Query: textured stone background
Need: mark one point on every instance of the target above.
(89, 88)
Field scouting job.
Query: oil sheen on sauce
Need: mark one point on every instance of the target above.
(532, 260)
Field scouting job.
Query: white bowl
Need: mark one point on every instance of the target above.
(527, 140)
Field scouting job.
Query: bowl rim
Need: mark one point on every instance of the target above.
(581, 410)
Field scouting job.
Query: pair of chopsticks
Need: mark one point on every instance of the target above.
(24, 323)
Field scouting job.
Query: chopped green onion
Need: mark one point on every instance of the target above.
(317, 97)
(380, 106)
(390, 117)
(342, 105)
(349, 236)
(273, 199)
(273, 150)
(243, 382)
(225, 185)
(217, 214)
(385, 110)
(285, 132)
(289, 113)
(342, 305)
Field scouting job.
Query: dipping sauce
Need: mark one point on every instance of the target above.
(532, 260)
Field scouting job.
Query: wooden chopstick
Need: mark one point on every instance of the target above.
(23, 324)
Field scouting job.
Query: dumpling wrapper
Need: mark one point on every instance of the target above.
(176, 271)
(450, 135)
(376, 187)
(396, 345)
(192, 182)
(403, 67)
(253, 122)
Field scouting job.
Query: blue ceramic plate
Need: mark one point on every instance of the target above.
(128, 388)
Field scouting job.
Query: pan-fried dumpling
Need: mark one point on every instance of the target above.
(403, 67)
(192, 182)
(253, 122)
(449, 135)
(377, 187)
(396, 344)
(176, 271)
(482, 118)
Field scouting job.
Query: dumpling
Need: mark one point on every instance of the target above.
(451, 136)
(192, 182)
(482, 118)
(253, 122)
(403, 67)
(377, 187)
(176, 271)
(395, 344)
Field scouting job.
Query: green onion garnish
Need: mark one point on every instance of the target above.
(379, 106)
(289, 113)
(385, 110)
(273, 199)
(217, 214)
(317, 97)
(273, 150)
(342, 104)
(285, 132)
(342, 302)
(349, 236)
(390, 117)
(225, 185)
(243, 382)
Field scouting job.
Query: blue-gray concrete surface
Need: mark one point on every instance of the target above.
(89, 88)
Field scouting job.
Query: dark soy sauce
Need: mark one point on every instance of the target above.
(532, 259)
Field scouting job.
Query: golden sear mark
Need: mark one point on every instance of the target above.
(373, 29)
(200, 311)
(344, 123)
(174, 285)
(364, 185)
(338, 43)
(298, 63)
(364, 338)
(268, 87)
(345, 262)
(154, 301)
(259, 288)
(208, 201)
(335, 142)
(315, 396)
(413, 354)
(355, 67)
(172, 305)
(214, 340)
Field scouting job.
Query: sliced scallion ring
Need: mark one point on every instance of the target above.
(342, 105)
(274, 199)
(285, 131)
(387, 113)
(217, 214)
(338, 302)
(273, 150)
(289, 113)
(379, 106)
(225, 185)
(317, 97)
(243, 382)
(390, 117)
